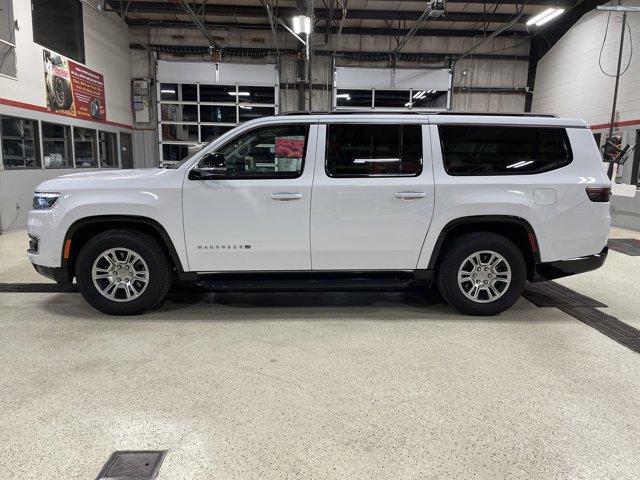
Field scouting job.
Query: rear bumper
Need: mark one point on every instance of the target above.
(564, 268)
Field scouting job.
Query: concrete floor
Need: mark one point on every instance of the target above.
(318, 386)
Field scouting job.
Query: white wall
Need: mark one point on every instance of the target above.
(569, 81)
(106, 52)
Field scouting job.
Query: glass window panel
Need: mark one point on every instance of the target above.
(176, 153)
(84, 142)
(273, 151)
(211, 132)
(20, 147)
(503, 150)
(354, 98)
(180, 133)
(392, 98)
(6, 21)
(108, 143)
(429, 99)
(56, 144)
(373, 150)
(256, 95)
(178, 92)
(218, 113)
(58, 26)
(218, 93)
(249, 113)
(179, 113)
(7, 60)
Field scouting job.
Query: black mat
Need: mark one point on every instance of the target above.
(552, 294)
(628, 246)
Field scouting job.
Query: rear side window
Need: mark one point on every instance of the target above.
(502, 150)
(373, 150)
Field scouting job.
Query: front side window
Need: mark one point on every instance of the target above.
(20, 143)
(108, 143)
(268, 152)
(503, 150)
(84, 142)
(58, 26)
(56, 144)
(373, 150)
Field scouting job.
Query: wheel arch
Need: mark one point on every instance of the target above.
(516, 229)
(82, 230)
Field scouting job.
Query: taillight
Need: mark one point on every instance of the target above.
(599, 194)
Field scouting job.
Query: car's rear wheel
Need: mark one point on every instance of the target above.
(123, 272)
(482, 274)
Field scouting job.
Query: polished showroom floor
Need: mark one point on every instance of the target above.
(318, 386)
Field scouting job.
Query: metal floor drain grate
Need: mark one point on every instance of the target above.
(608, 325)
(552, 294)
(132, 465)
(628, 246)
(36, 288)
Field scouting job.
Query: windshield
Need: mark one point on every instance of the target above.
(184, 160)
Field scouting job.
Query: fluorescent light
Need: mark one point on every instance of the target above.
(301, 24)
(167, 90)
(419, 95)
(550, 17)
(519, 164)
(240, 94)
(245, 107)
(544, 17)
(408, 104)
(344, 95)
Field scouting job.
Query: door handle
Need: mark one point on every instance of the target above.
(409, 195)
(285, 197)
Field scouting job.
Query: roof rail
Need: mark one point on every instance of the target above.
(413, 112)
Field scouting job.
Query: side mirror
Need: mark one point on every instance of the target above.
(210, 167)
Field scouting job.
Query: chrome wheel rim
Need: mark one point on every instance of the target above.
(120, 274)
(484, 276)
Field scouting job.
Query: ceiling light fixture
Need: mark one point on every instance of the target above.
(546, 16)
(301, 24)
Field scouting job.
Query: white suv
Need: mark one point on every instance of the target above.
(473, 204)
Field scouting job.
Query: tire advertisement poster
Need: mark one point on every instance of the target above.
(72, 89)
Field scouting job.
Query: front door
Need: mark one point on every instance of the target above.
(256, 216)
(372, 196)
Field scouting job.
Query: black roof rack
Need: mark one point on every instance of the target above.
(410, 112)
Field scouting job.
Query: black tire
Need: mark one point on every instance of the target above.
(455, 256)
(62, 96)
(151, 252)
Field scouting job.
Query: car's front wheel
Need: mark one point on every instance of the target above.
(482, 274)
(123, 272)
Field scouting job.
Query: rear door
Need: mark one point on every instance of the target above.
(372, 196)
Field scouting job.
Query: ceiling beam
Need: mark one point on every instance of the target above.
(250, 11)
(375, 31)
(370, 56)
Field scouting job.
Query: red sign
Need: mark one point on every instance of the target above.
(72, 89)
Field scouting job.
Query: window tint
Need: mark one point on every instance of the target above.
(373, 150)
(267, 152)
(57, 25)
(502, 150)
(20, 143)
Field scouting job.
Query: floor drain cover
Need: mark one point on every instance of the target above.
(628, 246)
(132, 465)
(552, 294)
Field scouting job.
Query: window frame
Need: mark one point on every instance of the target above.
(326, 147)
(564, 134)
(298, 174)
(71, 147)
(116, 151)
(11, 42)
(38, 158)
(95, 147)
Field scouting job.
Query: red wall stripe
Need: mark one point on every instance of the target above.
(38, 108)
(625, 123)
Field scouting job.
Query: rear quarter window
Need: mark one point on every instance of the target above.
(472, 150)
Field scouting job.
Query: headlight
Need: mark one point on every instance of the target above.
(44, 200)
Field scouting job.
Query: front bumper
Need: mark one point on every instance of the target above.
(59, 274)
(564, 268)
